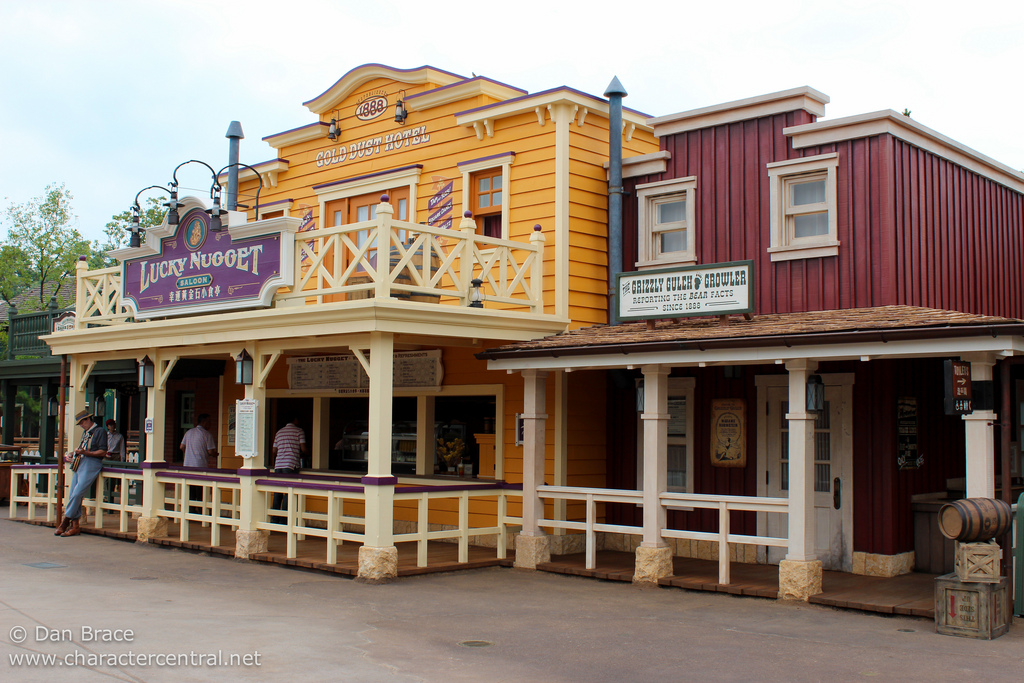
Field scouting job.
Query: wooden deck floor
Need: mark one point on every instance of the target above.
(908, 595)
(311, 553)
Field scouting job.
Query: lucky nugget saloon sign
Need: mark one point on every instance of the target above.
(196, 270)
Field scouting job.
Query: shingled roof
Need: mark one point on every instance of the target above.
(790, 329)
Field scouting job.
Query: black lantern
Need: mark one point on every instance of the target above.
(136, 227)
(640, 396)
(100, 409)
(172, 205)
(215, 211)
(400, 112)
(332, 131)
(476, 297)
(146, 368)
(243, 368)
(53, 407)
(815, 394)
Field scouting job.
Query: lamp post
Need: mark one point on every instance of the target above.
(136, 226)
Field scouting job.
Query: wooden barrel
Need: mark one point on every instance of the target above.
(975, 519)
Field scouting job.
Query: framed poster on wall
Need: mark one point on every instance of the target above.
(729, 432)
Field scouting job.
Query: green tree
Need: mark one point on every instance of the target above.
(118, 232)
(14, 272)
(43, 228)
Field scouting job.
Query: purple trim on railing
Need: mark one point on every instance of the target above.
(367, 175)
(374, 480)
(447, 487)
(256, 472)
(292, 130)
(563, 88)
(302, 475)
(199, 477)
(304, 485)
(182, 468)
(384, 66)
(493, 156)
(468, 80)
(125, 470)
(27, 466)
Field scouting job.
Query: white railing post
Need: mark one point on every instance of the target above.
(537, 241)
(81, 301)
(467, 258)
(591, 539)
(383, 283)
(723, 543)
(464, 526)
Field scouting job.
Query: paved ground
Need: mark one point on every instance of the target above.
(540, 627)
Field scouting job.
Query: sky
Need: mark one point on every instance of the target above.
(108, 96)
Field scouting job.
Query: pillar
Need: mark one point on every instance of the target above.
(979, 432)
(320, 445)
(653, 556)
(378, 557)
(150, 524)
(47, 424)
(10, 392)
(800, 571)
(425, 444)
(249, 539)
(533, 545)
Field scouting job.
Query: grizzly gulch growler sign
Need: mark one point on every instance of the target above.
(196, 270)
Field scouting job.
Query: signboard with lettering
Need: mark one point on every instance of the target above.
(958, 397)
(187, 268)
(716, 289)
(729, 432)
(907, 456)
(345, 375)
(245, 427)
(64, 322)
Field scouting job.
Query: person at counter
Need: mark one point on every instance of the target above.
(115, 442)
(289, 447)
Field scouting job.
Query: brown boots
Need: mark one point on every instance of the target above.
(73, 530)
(62, 527)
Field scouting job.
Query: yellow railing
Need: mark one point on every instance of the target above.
(115, 490)
(212, 509)
(98, 300)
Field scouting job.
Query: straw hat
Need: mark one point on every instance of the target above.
(82, 414)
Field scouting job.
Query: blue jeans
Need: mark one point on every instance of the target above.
(280, 501)
(81, 480)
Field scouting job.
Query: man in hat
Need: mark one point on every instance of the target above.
(93, 448)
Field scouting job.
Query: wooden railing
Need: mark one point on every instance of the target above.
(118, 490)
(724, 504)
(98, 299)
(347, 263)
(213, 510)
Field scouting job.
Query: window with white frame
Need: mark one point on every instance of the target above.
(680, 436)
(803, 208)
(485, 184)
(666, 218)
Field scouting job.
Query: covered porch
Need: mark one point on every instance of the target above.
(826, 343)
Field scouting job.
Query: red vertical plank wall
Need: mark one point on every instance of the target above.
(960, 236)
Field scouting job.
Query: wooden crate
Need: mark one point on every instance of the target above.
(971, 610)
(977, 562)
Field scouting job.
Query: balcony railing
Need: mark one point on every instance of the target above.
(344, 263)
(26, 328)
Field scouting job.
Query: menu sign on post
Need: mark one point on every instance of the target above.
(345, 374)
(958, 398)
(245, 428)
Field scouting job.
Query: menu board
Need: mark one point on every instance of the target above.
(245, 428)
(345, 374)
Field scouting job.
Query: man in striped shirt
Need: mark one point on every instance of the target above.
(289, 447)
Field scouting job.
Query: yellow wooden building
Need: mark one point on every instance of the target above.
(419, 219)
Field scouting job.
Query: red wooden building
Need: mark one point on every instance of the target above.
(876, 249)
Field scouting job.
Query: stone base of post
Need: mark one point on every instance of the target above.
(799, 579)
(532, 550)
(250, 542)
(377, 565)
(150, 527)
(652, 564)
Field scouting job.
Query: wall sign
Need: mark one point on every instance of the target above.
(907, 456)
(345, 375)
(188, 269)
(440, 204)
(717, 289)
(958, 396)
(64, 322)
(372, 146)
(729, 432)
(245, 428)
